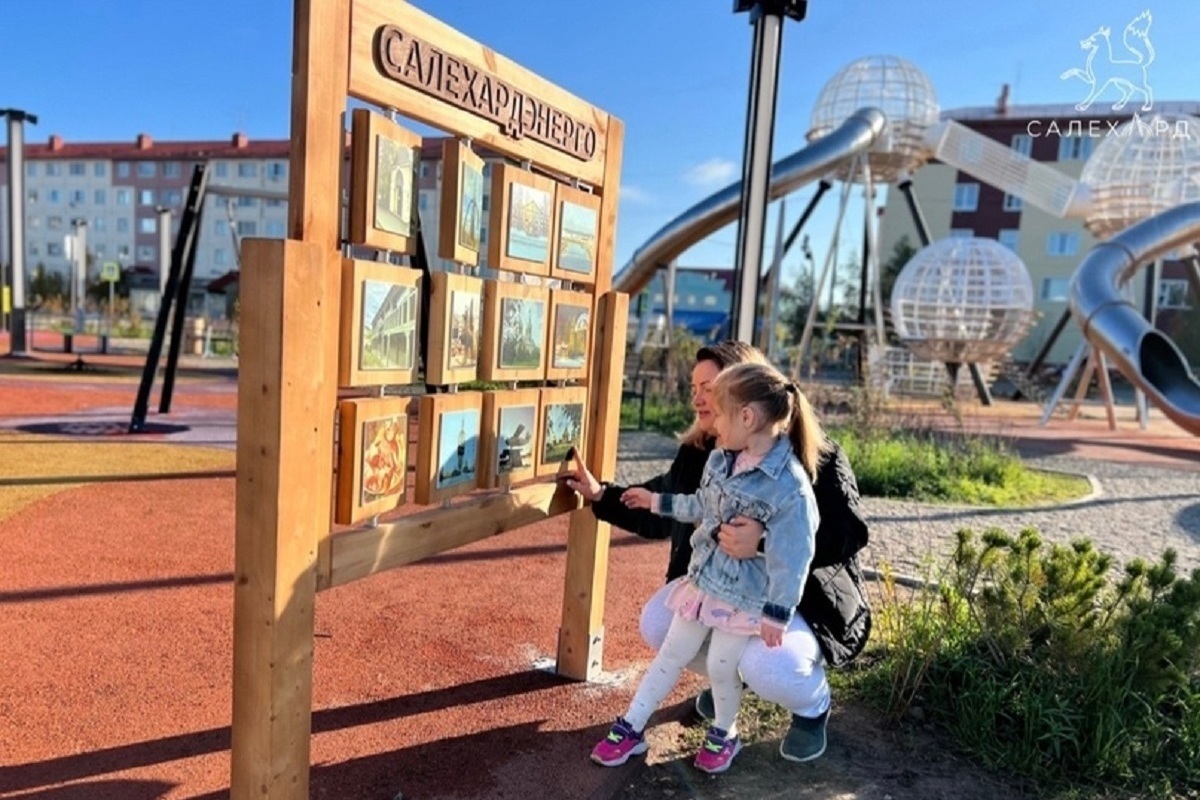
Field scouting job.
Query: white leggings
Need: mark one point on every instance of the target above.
(791, 675)
(683, 641)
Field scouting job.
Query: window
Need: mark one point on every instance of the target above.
(1062, 244)
(966, 196)
(54, 248)
(53, 169)
(100, 169)
(247, 169)
(171, 169)
(54, 223)
(54, 196)
(35, 222)
(100, 250)
(220, 256)
(247, 227)
(123, 251)
(273, 202)
(961, 233)
(123, 169)
(122, 225)
(277, 170)
(423, 201)
(31, 169)
(1010, 239)
(78, 197)
(147, 225)
(220, 227)
(100, 224)
(1023, 144)
(146, 197)
(172, 197)
(425, 170)
(147, 169)
(1013, 203)
(246, 202)
(123, 196)
(1075, 148)
(31, 196)
(221, 169)
(1054, 290)
(483, 234)
(77, 169)
(145, 252)
(99, 197)
(1173, 293)
(484, 204)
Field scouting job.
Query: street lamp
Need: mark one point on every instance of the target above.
(16, 222)
(767, 18)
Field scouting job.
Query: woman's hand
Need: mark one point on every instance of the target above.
(637, 497)
(739, 537)
(584, 482)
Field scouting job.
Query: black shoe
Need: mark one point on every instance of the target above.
(805, 739)
(705, 708)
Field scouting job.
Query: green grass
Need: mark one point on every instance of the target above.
(957, 470)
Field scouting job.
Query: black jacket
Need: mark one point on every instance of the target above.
(834, 600)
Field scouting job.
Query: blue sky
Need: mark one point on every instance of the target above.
(675, 71)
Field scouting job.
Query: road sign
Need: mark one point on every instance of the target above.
(110, 271)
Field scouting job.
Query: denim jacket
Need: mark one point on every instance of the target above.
(777, 493)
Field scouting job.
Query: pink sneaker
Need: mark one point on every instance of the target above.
(717, 752)
(621, 744)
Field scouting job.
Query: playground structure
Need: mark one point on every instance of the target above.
(877, 122)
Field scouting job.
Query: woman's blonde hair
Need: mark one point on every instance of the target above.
(779, 402)
(723, 354)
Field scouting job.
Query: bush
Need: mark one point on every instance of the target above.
(1038, 663)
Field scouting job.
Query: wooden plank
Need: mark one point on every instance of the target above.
(284, 458)
(363, 552)
(320, 59)
(368, 133)
(609, 197)
(612, 315)
(581, 635)
(478, 90)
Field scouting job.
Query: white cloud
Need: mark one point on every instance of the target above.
(711, 172)
(636, 195)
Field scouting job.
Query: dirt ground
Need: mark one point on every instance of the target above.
(866, 759)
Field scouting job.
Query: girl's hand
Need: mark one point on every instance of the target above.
(584, 482)
(637, 498)
(772, 635)
(739, 537)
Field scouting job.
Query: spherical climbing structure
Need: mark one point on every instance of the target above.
(1146, 166)
(897, 88)
(962, 300)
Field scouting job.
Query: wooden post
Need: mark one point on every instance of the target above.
(581, 636)
(287, 393)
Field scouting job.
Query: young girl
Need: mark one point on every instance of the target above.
(768, 446)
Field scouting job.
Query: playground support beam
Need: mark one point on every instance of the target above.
(16, 224)
(767, 18)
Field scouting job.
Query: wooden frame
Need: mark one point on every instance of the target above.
(372, 457)
(437, 480)
(571, 322)
(372, 287)
(385, 160)
(506, 415)
(576, 228)
(552, 451)
(460, 217)
(500, 361)
(449, 358)
(528, 248)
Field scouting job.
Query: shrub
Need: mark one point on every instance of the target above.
(1037, 662)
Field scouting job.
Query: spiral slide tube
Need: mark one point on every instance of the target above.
(857, 134)
(1149, 359)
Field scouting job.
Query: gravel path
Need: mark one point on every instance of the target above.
(1140, 510)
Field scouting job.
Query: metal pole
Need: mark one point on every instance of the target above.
(164, 249)
(769, 305)
(16, 224)
(1150, 307)
(80, 277)
(756, 166)
(914, 208)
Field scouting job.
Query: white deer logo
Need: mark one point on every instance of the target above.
(1127, 76)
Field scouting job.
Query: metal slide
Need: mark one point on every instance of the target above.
(1150, 360)
(856, 135)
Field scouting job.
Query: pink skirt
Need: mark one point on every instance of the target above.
(691, 602)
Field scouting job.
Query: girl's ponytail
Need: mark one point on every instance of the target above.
(804, 431)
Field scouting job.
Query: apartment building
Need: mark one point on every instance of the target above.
(955, 203)
(116, 190)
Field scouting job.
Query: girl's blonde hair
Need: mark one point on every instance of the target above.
(723, 354)
(779, 402)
